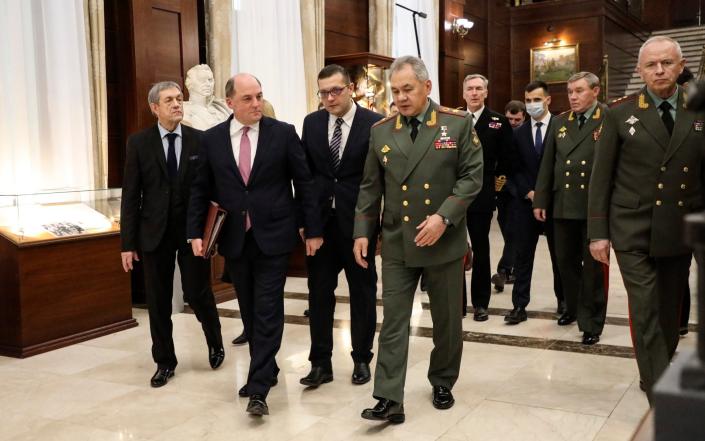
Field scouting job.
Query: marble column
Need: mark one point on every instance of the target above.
(313, 34)
(218, 29)
(381, 19)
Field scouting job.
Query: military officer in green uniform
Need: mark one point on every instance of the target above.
(648, 174)
(562, 192)
(426, 162)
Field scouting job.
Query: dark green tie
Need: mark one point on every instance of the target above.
(414, 128)
(666, 116)
(581, 121)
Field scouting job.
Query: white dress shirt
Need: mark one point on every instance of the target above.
(236, 135)
(544, 127)
(344, 128)
(476, 115)
(165, 142)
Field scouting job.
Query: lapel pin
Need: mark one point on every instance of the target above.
(386, 149)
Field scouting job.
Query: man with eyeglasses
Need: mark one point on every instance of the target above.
(335, 140)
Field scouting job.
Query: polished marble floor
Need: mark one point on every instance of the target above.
(533, 381)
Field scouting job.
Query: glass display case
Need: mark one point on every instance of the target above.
(48, 216)
(370, 75)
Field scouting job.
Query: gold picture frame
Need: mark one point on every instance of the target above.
(554, 64)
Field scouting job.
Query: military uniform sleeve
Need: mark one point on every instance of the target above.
(601, 180)
(369, 198)
(544, 180)
(469, 176)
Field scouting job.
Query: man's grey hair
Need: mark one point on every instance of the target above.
(417, 65)
(230, 85)
(590, 77)
(484, 79)
(153, 95)
(657, 39)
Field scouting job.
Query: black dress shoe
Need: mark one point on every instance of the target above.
(240, 339)
(257, 405)
(590, 339)
(306, 312)
(243, 390)
(561, 308)
(642, 386)
(361, 373)
(161, 377)
(509, 279)
(517, 316)
(498, 280)
(480, 314)
(683, 330)
(316, 377)
(566, 319)
(442, 397)
(216, 357)
(385, 410)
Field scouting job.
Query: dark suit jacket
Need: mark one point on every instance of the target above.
(528, 161)
(498, 153)
(267, 197)
(145, 188)
(343, 185)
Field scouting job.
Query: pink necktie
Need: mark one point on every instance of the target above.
(244, 164)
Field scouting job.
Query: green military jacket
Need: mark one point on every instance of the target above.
(562, 182)
(441, 172)
(644, 182)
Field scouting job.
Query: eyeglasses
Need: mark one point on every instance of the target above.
(332, 92)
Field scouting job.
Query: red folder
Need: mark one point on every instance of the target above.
(214, 224)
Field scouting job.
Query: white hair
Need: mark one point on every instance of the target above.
(657, 39)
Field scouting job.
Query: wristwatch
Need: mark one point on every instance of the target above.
(446, 221)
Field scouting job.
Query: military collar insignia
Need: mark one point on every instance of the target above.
(432, 121)
(563, 130)
(685, 100)
(632, 120)
(596, 115)
(570, 116)
(642, 101)
(386, 149)
(397, 126)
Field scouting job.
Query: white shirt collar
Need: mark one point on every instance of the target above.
(476, 115)
(545, 120)
(163, 132)
(236, 126)
(347, 118)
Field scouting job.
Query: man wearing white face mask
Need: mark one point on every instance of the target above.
(529, 140)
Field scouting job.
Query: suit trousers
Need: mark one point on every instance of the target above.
(654, 290)
(527, 231)
(445, 291)
(259, 283)
(505, 221)
(581, 276)
(195, 282)
(480, 284)
(334, 256)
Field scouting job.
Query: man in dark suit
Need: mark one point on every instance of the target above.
(336, 141)
(648, 174)
(496, 138)
(562, 184)
(247, 167)
(160, 165)
(529, 142)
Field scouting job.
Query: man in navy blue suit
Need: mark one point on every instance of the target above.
(529, 139)
(336, 142)
(247, 166)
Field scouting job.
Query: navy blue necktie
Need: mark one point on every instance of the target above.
(538, 141)
(171, 165)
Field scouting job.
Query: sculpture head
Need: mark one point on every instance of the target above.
(200, 81)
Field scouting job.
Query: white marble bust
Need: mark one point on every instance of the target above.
(203, 110)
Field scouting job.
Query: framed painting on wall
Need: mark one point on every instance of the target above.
(554, 64)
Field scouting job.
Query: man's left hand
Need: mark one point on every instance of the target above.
(431, 230)
(312, 245)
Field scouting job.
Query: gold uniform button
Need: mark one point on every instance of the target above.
(663, 168)
(682, 186)
(660, 186)
(658, 203)
(427, 202)
(404, 187)
(567, 173)
(568, 162)
(405, 203)
(680, 203)
(426, 186)
(406, 218)
(583, 162)
(582, 187)
(582, 174)
(685, 169)
(567, 185)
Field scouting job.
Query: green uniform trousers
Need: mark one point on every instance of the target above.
(582, 277)
(655, 287)
(445, 292)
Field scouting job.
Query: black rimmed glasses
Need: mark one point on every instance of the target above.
(331, 92)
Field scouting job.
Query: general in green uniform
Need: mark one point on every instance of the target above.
(562, 193)
(648, 174)
(426, 163)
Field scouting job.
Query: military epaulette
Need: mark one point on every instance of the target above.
(565, 114)
(625, 99)
(449, 111)
(384, 120)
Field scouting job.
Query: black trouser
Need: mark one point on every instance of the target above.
(527, 231)
(581, 275)
(195, 282)
(653, 286)
(259, 283)
(334, 256)
(480, 285)
(504, 218)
